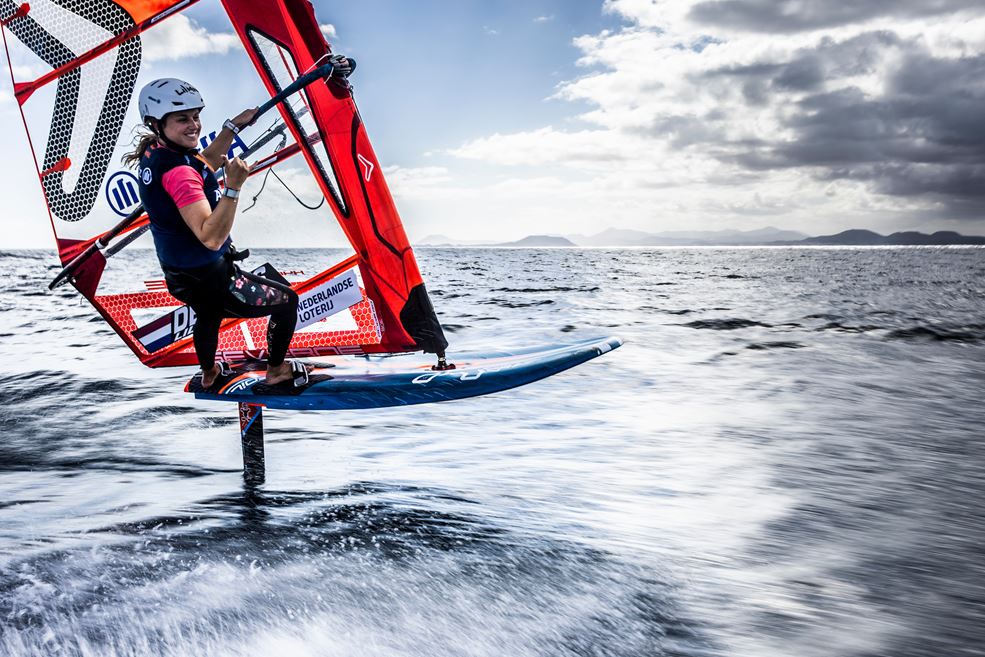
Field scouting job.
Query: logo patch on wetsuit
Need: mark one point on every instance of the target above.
(237, 145)
(146, 175)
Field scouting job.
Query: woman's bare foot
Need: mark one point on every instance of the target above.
(209, 376)
(281, 373)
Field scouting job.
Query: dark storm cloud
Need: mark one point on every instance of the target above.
(921, 136)
(924, 136)
(684, 131)
(809, 68)
(784, 16)
(801, 74)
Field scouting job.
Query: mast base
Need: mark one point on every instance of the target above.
(443, 364)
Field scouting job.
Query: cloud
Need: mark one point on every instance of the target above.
(422, 183)
(179, 37)
(780, 16)
(328, 30)
(919, 135)
(544, 19)
(545, 146)
(491, 31)
(730, 107)
(24, 72)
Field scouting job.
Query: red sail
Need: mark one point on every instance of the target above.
(284, 40)
(87, 61)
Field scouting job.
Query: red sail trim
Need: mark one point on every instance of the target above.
(153, 10)
(68, 250)
(20, 12)
(61, 165)
(138, 10)
(275, 158)
(86, 277)
(364, 208)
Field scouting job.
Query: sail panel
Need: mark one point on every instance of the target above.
(66, 34)
(81, 64)
(91, 50)
(162, 336)
(282, 70)
(360, 197)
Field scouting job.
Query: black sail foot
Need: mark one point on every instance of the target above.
(421, 324)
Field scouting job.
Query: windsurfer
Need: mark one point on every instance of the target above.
(191, 219)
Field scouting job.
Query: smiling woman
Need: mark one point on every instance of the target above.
(191, 220)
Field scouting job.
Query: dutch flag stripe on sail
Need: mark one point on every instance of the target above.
(155, 335)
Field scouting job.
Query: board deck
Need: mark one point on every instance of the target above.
(375, 381)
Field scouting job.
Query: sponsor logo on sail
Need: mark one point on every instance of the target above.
(367, 167)
(121, 192)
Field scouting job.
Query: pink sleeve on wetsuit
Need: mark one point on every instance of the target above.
(185, 186)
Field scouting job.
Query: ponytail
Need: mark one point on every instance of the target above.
(144, 139)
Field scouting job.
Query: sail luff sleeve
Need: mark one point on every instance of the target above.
(284, 40)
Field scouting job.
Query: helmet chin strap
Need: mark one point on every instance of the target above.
(159, 131)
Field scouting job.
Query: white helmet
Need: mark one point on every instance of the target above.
(167, 95)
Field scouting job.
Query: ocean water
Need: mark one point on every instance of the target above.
(785, 458)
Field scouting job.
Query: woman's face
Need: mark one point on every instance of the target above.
(183, 128)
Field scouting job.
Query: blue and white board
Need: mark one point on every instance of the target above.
(351, 383)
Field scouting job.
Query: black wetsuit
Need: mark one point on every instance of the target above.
(209, 281)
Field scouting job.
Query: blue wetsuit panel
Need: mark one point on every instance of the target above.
(176, 244)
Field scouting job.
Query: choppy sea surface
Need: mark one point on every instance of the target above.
(787, 457)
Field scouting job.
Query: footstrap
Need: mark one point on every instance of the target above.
(300, 373)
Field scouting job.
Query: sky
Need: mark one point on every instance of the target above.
(497, 119)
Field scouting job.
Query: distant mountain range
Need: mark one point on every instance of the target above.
(541, 240)
(619, 237)
(762, 237)
(857, 237)
(531, 240)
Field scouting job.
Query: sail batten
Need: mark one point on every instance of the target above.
(119, 22)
